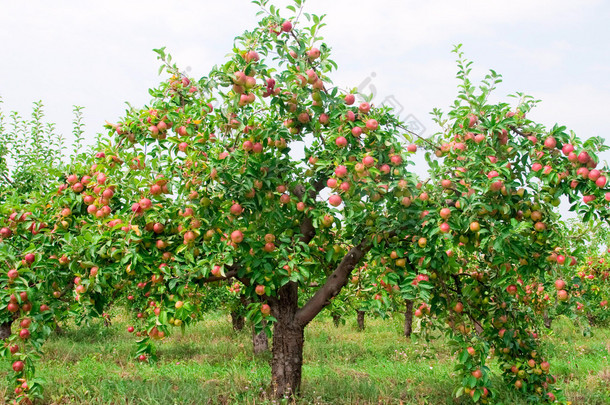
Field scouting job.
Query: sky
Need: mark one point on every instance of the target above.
(99, 54)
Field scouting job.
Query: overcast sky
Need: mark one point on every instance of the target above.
(98, 54)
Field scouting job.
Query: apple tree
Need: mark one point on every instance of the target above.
(220, 191)
(258, 170)
(34, 277)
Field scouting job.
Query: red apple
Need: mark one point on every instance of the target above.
(372, 124)
(539, 226)
(236, 209)
(364, 108)
(251, 56)
(601, 181)
(550, 142)
(335, 200)
(5, 233)
(583, 157)
(18, 366)
(341, 171)
(350, 99)
(24, 334)
(30, 258)
(237, 236)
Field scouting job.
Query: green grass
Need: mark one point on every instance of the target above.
(212, 364)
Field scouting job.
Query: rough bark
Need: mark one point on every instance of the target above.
(409, 318)
(260, 343)
(591, 319)
(547, 321)
(237, 320)
(5, 330)
(288, 337)
(334, 283)
(360, 319)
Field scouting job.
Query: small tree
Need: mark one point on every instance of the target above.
(32, 300)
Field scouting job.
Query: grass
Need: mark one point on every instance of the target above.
(212, 364)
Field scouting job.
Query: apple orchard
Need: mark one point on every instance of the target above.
(202, 185)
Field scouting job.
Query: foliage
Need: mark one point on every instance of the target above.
(205, 183)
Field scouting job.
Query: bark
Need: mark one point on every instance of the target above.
(260, 343)
(547, 321)
(334, 283)
(336, 320)
(591, 319)
(478, 328)
(5, 330)
(288, 337)
(237, 320)
(360, 319)
(409, 318)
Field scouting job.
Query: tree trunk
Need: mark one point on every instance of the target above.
(409, 318)
(237, 320)
(260, 343)
(360, 319)
(591, 319)
(288, 338)
(336, 320)
(5, 330)
(547, 321)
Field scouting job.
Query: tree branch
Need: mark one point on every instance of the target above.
(517, 131)
(229, 274)
(7, 179)
(232, 273)
(334, 284)
(307, 229)
(419, 136)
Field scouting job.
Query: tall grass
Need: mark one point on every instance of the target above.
(212, 364)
